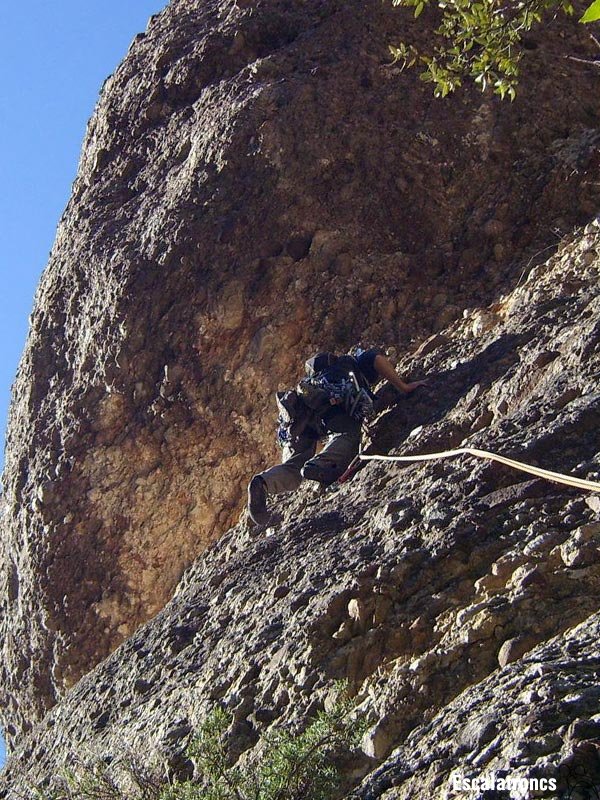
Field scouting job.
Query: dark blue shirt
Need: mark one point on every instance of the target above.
(366, 364)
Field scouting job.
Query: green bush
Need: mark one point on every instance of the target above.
(283, 766)
(286, 766)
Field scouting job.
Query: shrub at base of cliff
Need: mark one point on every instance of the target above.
(285, 766)
(288, 767)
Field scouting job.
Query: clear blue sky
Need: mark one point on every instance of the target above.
(55, 57)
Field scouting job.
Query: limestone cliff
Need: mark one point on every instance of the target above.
(258, 182)
(459, 598)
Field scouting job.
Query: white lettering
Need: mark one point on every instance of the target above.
(491, 783)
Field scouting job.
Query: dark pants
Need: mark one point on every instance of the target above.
(299, 459)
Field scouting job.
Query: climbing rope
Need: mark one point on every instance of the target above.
(557, 477)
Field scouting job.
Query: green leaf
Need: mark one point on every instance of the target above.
(419, 8)
(592, 13)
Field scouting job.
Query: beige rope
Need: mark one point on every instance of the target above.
(568, 480)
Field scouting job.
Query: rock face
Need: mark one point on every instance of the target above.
(258, 183)
(458, 598)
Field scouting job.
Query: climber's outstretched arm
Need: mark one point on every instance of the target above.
(385, 368)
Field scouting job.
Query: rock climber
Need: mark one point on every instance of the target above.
(331, 402)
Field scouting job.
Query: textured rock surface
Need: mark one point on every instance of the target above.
(459, 599)
(241, 156)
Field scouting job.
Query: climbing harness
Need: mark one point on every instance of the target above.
(362, 406)
(557, 477)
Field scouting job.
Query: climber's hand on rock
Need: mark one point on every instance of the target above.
(416, 384)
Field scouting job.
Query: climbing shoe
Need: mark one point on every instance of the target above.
(257, 501)
(321, 473)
